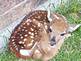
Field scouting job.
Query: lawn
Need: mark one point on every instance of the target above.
(71, 49)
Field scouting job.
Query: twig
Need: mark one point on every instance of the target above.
(72, 29)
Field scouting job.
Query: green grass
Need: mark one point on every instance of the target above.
(71, 49)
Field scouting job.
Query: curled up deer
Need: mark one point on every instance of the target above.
(39, 35)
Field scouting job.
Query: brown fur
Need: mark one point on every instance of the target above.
(58, 26)
(43, 49)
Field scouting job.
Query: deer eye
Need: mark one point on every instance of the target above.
(62, 34)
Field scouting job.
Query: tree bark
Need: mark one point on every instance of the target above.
(11, 10)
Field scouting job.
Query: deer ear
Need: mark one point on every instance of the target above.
(73, 27)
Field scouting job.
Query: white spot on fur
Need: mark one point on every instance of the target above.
(22, 29)
(34, 26)
(29, 32)
(25, 52)
(13, 42)
(39, 17)
(25, 39)
(28, 20)
(28, 23)
(30, 44)
(34, 19)
(21, 37)
(21, 42)
(39, 24)
(26, 35)
(35, 32)
(32, 36)
(12, 39)
(26, 30)
(37, 51)
(22, 47)
(32, 29)
(46, 26)
(17, 49)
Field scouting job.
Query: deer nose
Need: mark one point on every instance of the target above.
(52, 41)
